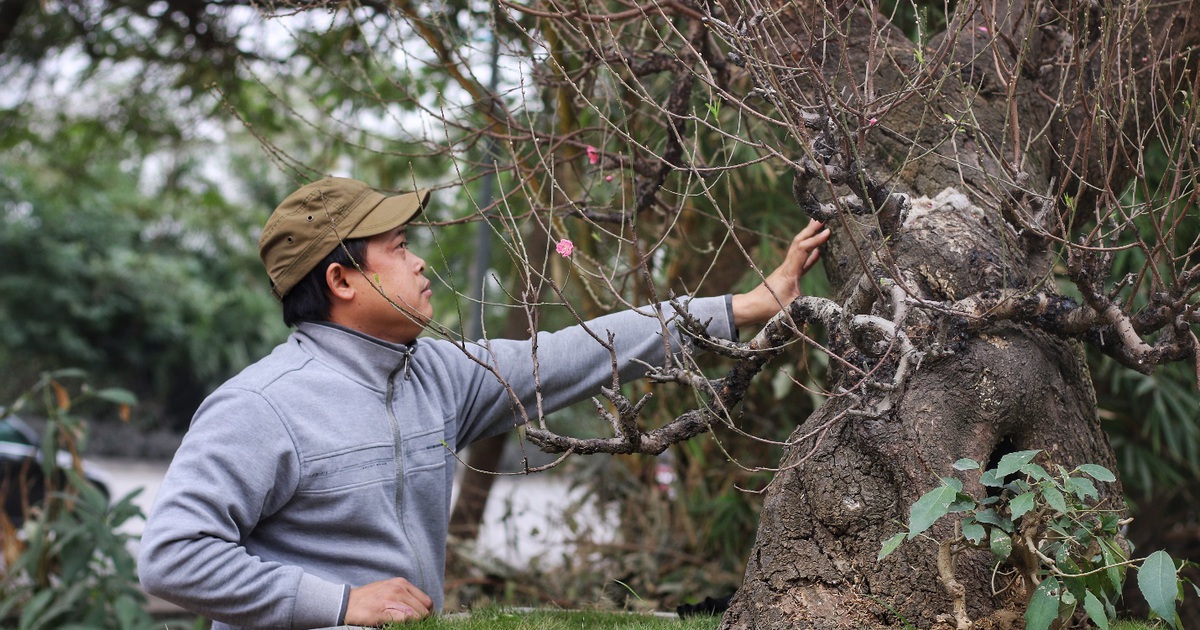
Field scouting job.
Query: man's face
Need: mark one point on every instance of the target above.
(399, 273)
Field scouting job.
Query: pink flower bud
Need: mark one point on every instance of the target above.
(608, 178)
(872, 121)
(565, 247)
(593, 154)
(983, 29)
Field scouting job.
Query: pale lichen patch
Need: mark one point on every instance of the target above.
(996, 341)
(950, 199)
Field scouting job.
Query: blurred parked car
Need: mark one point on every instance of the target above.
(20, 467)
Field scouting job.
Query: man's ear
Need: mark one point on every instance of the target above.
(337, 279)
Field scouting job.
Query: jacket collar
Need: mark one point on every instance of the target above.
(363, 358)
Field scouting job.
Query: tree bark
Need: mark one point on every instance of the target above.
(848, 486)
(1009, 388)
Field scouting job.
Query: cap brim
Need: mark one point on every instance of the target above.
(391, 213)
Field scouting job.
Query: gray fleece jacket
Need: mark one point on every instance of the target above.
(329, 463)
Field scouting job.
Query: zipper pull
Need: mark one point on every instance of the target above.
(407, 362)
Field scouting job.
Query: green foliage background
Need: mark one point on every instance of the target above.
(159, 290)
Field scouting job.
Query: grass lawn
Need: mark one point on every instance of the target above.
(508, 619)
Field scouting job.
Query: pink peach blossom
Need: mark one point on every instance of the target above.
(565, 247)
(608, 178)
(593, 154)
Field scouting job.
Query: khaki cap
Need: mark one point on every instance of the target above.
(310, 223)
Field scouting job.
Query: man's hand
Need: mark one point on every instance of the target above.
(386, 601)
(783, 285)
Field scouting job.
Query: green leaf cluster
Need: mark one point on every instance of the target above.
(1052, 528)
(74, 569)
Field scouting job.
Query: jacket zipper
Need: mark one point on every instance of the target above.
(398, 445)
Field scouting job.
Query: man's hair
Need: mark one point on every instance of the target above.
(309, 301)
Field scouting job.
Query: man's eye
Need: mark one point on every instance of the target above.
(402, 245)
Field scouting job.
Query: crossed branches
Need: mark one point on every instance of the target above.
(878, 353)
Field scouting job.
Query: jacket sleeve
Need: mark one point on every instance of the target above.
(569, 365)
(236, 466)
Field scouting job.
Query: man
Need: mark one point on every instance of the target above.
(313, 489)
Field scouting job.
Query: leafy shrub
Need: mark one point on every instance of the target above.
(70, 566)
(1052, 529)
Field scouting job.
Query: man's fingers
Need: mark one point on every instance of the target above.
(413, 600)
(813, 256)
(813, 227)
(803, 243)
(783, 284)
(806, 247)
(802, 239)
(401, 613)
(418, 594)
(395, 599)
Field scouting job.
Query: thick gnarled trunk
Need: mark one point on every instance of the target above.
(1008, 388)
(984, 150)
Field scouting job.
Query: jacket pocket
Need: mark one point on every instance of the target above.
(425, 451)
(341, 470)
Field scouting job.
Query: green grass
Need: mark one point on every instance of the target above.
(509, 619)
